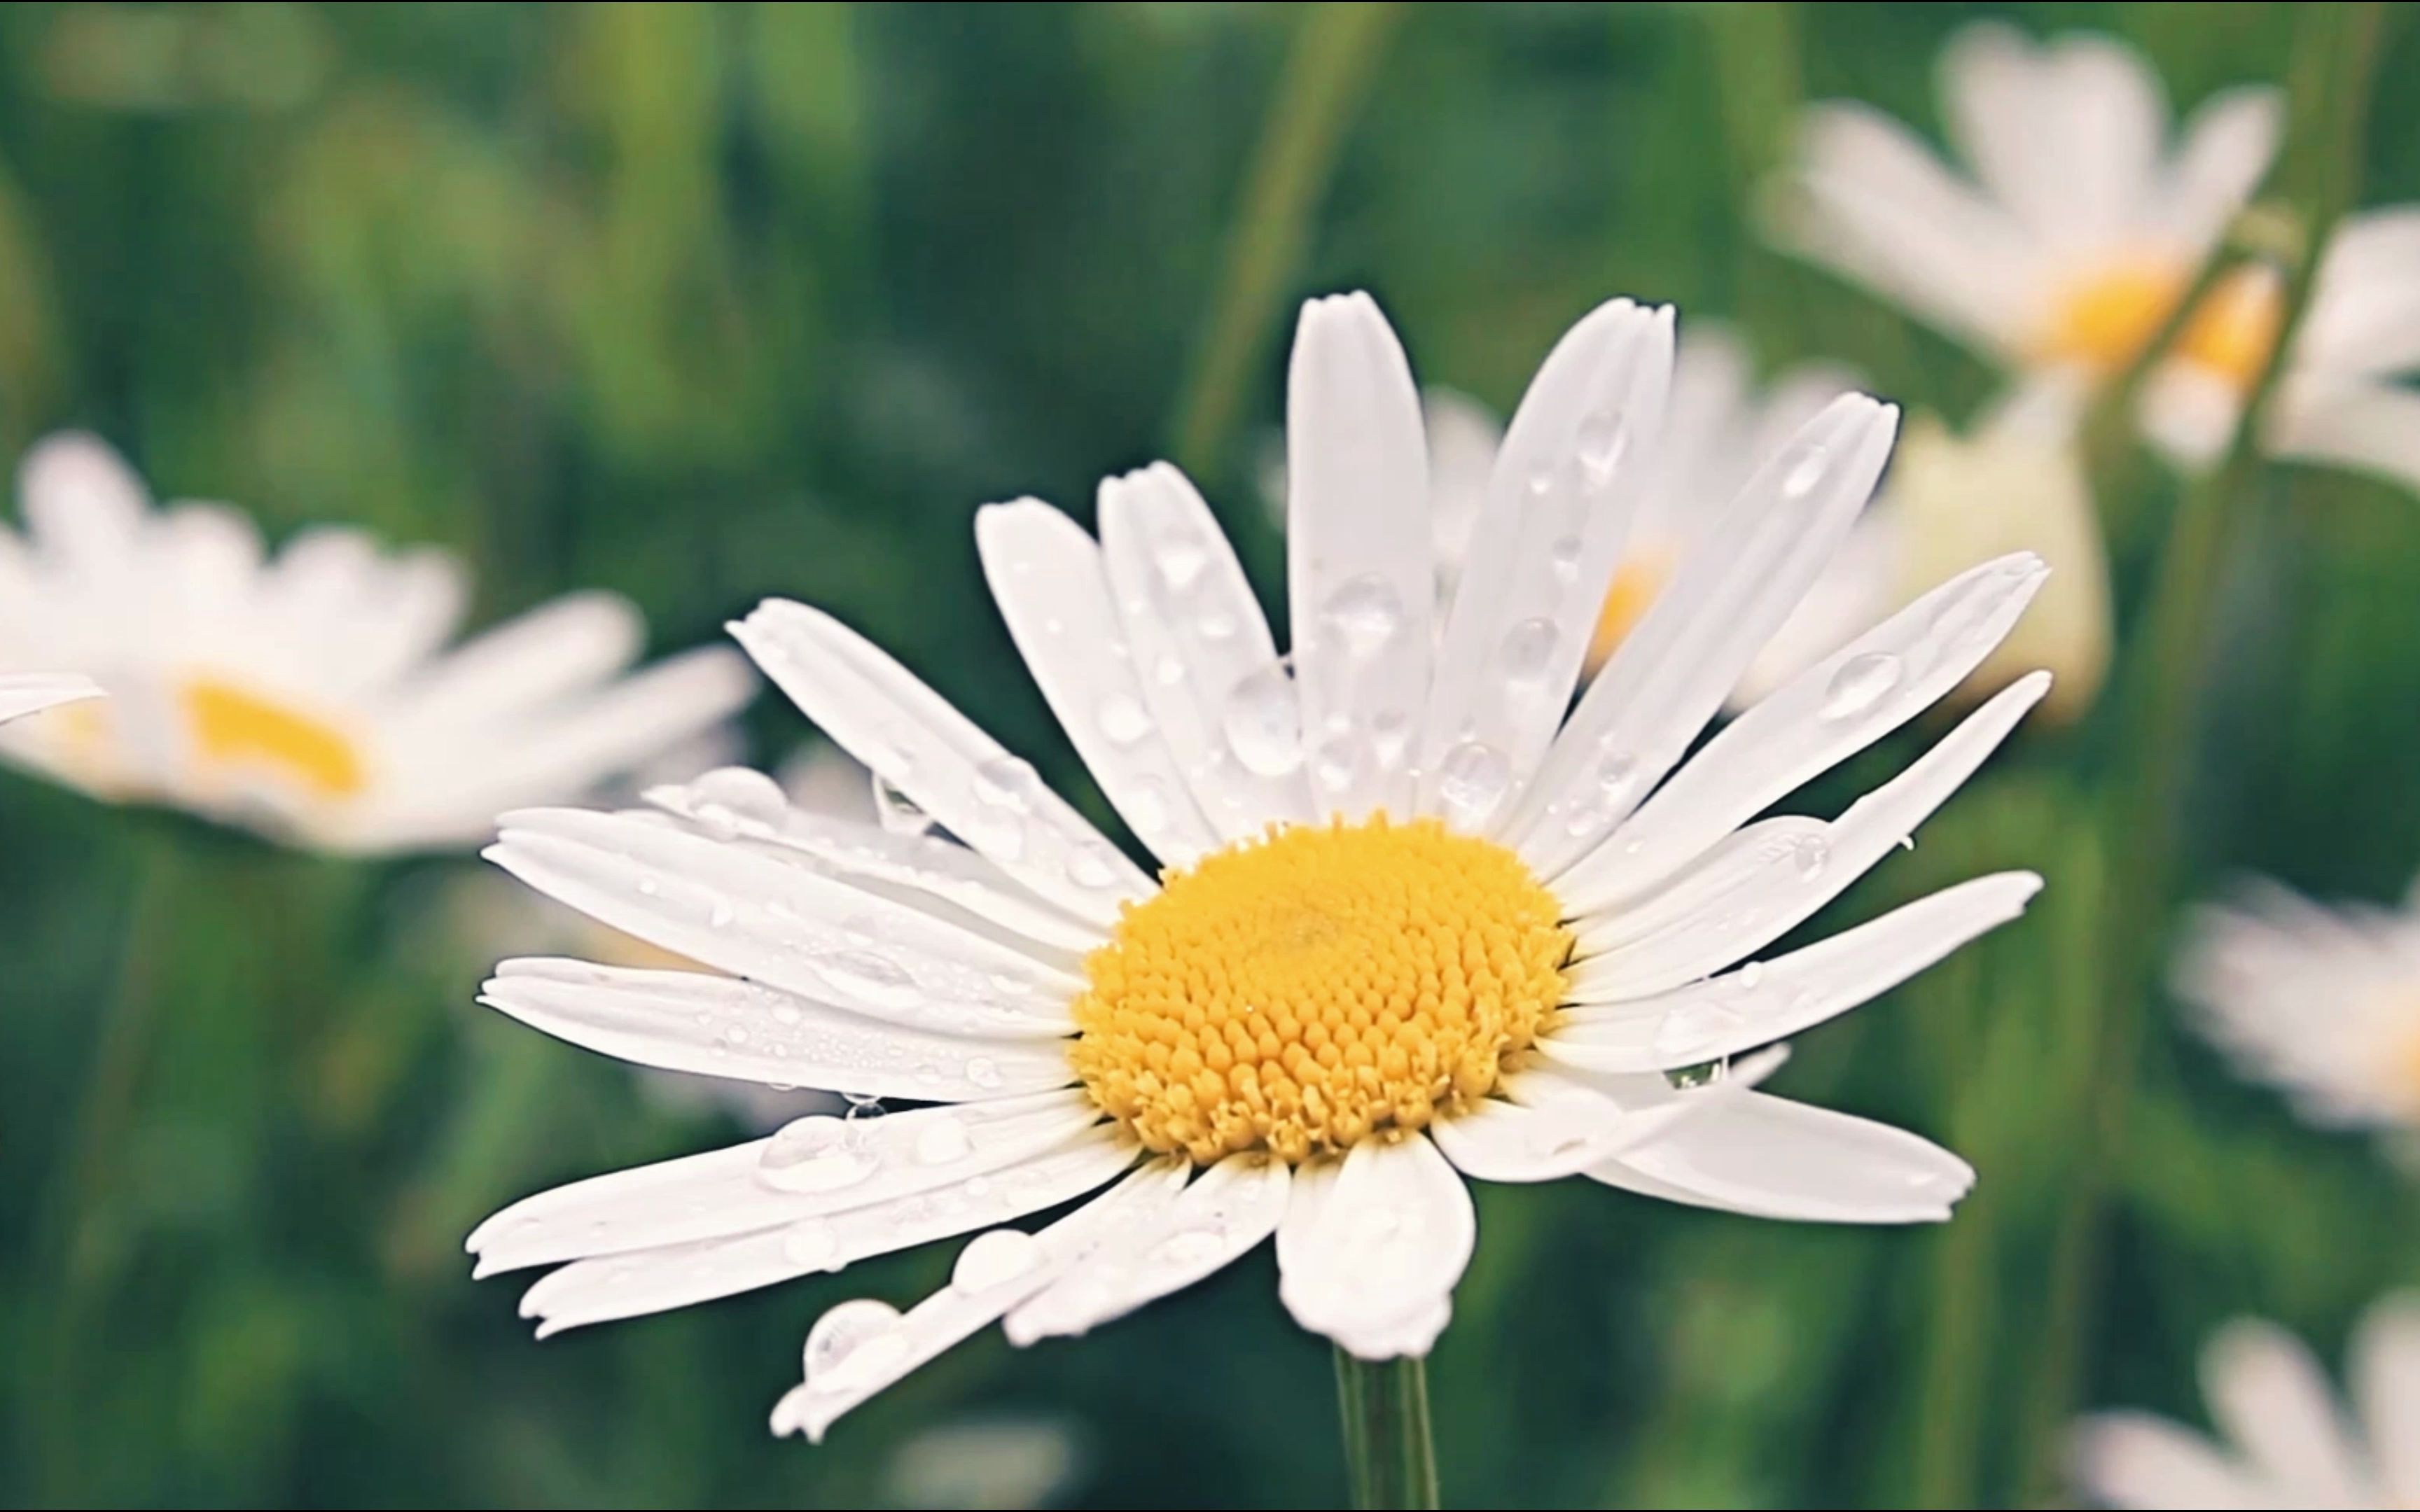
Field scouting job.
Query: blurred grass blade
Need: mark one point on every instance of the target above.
(1326, 75)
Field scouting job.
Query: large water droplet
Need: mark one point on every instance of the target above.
(1860, 683)
(1603, 438)
(867, 977)
(1144, 805)
(1337, 763)
(1751, 973)
(1805, 472)
(1006, 782)
(942, 1140)
(994, 1259)
(1528, 652)
(1564, 557)
(1121, 719)
(1180, 557)
(1262, 721)
(851, 1345)
(1168, 671)
(1472, 779)
(743, 794)
(1092, 864)
(811, 1244)
(1363, 614)
(812, 1154)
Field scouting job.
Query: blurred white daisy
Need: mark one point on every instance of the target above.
(985, 1462)
(2286, 1441)
(2320, 1001)
(2083, 226)
(2015, 479)
(1421, 919)
(308, 695)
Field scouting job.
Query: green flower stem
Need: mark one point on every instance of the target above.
(2328, 92)
(1328, 72)
(1384, 1408)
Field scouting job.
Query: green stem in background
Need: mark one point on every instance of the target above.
(74, 1226)
(2328, 93)
(1384, 1409)
(1326, 74)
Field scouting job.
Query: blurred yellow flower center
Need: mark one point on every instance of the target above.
(232, 727)
(2232, 333)
(1626, 601)
(1304, 991)
(2104, 318)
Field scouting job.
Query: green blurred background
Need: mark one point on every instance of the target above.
(706, 302)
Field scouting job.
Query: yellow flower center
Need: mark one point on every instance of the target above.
(1302, 992)
(2231, 335)
(2102, 318)
(1633, 592)
(232, 727)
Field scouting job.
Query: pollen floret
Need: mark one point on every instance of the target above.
(1303, 991)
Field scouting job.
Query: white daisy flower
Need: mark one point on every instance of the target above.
(2287, 1442)
(308, 696)
(1421, 918)
(2016, 480)
(2317, 1000)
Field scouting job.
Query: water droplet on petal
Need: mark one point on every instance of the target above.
(1693, 1025)
(741, 793)
(1564, 557)
(1169, 670)
(994, 1259)
(812, 1154)
(1180, 557)
(1751, 973)
(1860, 683)
(983, 1072)
(1603, 438)
(851, 1345)
(1144, 805)
(1363, 614)
(1092, 864)
(810, 1244)
(1810, 856)
(1121, 719)
(1807, 473)
(1390, 734)
(1006, 782)
(1189, 1248)
(1262, 721)
(1472, 779)
(867, 977)
(1528, 652)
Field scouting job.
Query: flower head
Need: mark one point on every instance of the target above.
(1418, 918)
(2322, 1001)
(2287, 1440)
(307, 695)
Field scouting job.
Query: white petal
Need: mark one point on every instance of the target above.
(212, 552)
(2228, 144)
(1871, 199)
(1561, 501)
(854, 1350)
(2067, 135)
(1817, 719)
(1047, 575)
(85, 508)
(1379, 1250)
(1359, 583)
(681, 1275)
(1773, 1158)
(419, 600)
(1209, 668)
(2133, 1459)
(2270, 1398)
(815, 1166)
(1765, 879)
(2385, 1371)
(1731, 592)
(714, 1027)
(556, 650)
(2363, 319)
(1559, 1125)
(1226, 1210)
(25, 693)
(1767, 1001)
(756, 914)
(931, 871)
(2357, 424)
(877, 712)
